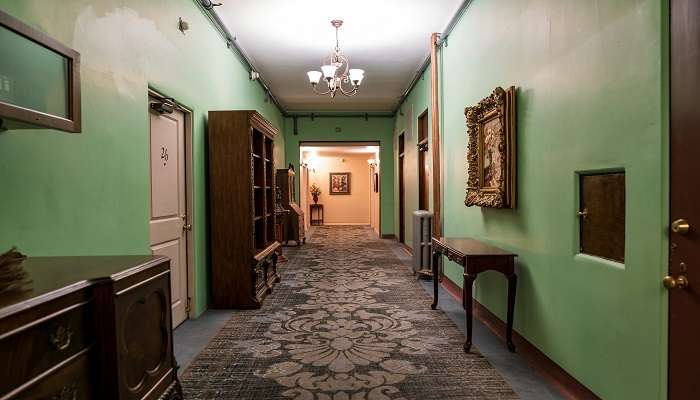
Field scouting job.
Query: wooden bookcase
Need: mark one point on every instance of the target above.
(242, 208)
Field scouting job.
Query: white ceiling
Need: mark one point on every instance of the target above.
(389, 39)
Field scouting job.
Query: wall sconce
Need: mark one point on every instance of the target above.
(309, 163)
(372, 162)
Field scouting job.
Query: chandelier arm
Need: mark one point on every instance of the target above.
(313, 87)
(351, 92)
(345, 65)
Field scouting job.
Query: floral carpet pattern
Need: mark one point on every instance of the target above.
(347, 322)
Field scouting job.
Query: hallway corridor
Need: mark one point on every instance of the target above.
(157, 158)
(348, 321)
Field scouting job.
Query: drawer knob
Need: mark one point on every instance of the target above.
(67, 393)
(61, 338)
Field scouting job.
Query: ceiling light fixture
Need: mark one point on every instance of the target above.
(337, 72)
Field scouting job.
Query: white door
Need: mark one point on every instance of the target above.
(168, 207)
(371, 197)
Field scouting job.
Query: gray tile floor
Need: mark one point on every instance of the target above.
(192, 336)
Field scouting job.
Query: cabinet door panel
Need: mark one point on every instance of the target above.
(144, 335)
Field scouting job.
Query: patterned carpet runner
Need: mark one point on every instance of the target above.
(347, 322)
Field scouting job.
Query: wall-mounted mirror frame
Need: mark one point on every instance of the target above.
(14, 116)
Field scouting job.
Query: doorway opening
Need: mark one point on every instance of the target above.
(171, 217)
(402, 190)
(423, 163)
(347, 174)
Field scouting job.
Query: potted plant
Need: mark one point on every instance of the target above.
(315, 192)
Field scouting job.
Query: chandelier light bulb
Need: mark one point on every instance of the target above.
(329, 71)
(356, 76)
(314, 76)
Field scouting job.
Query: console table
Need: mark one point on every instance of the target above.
(476, 257)
(319, 214)
(89, 328)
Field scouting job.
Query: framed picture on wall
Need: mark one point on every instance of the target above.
(339, 183)
(491, 150)
(376, 182)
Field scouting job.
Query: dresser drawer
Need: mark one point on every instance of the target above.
(37, 346)
(72, 380)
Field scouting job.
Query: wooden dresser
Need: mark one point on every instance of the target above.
(242, 209)
(89, 328)
(295, 222)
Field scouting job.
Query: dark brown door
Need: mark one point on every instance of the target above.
(683, 281)
(423, 167)
(402, 202)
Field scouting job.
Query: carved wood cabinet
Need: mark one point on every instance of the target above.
(295, 221)
(89, 328)
(242, 209)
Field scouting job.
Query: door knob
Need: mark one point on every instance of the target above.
(675, 283)
(187, 227)
(680, 226)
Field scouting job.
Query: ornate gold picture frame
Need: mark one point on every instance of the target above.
(491, 153)
(339, 183)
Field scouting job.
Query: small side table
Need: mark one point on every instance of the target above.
(476, 257)
(319, 214)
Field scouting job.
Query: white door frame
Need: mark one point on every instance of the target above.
(189, 195)
(304, 196)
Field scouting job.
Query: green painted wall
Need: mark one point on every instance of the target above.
(593, 85)
(417, 101)
(89, 194)
(352, 129)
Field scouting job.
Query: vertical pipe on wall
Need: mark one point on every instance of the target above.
(435, 118)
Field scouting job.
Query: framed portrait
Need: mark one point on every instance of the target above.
(491, 167)
(339, 183)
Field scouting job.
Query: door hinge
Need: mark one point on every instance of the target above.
(188, 305)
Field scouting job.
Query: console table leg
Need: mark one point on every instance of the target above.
(436, 259)
(467, 300)
(512, 285)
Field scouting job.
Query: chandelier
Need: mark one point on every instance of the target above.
(337, 72)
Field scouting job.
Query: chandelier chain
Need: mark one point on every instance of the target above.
(337, 42)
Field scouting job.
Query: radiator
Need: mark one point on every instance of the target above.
(422, 236)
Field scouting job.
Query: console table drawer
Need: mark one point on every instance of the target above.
(71, 380)
(89, 328)
(37, 346)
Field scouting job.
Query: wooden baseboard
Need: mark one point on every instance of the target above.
(566, 384)
(389, 236)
